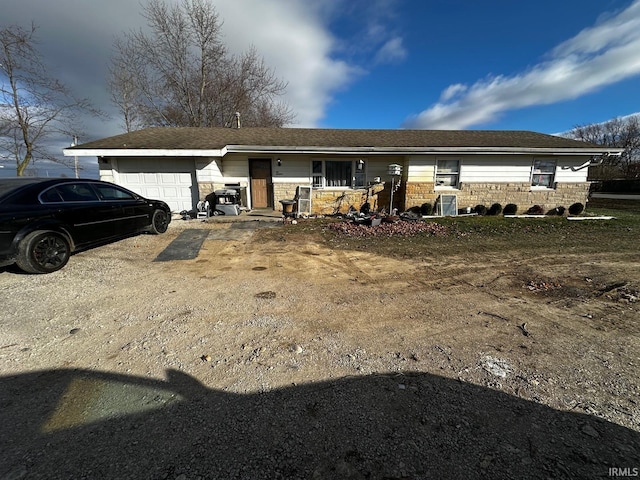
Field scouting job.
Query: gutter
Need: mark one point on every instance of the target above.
(140, 152)
(414, 150)
(316, 150)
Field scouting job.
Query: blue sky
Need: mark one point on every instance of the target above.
(443, 64)
(516, 65)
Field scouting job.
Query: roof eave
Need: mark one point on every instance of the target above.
(419, 150)
(142, 152)
(317, 150)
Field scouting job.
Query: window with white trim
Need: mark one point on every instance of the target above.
(338, 173)
(543, 173)
(447, 173)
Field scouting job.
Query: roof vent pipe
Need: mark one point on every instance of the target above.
(237, 119)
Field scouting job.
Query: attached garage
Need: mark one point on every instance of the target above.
(171, 180)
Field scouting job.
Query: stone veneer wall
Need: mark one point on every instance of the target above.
(283, 191)
(326, 202)
(417, 193)
(205, 188)
(521, 194)
(413, 194)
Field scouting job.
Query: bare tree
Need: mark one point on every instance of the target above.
(620, 133)
(33, 105)
(180, 74)
(123, 85)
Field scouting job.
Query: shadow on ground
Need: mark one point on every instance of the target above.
(87, 424)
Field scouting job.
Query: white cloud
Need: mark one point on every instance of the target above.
(451, 91)
(291, 37)
(598, 56)
(392, 51)
(295, 39)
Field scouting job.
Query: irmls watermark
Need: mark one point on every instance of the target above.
(624, 472)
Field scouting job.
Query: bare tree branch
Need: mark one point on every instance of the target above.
(180, 74)
(619, 133)
(33, 105)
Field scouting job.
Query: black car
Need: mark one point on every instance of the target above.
(43, 221)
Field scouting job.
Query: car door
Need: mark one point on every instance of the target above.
(135, 212)
(77, 206)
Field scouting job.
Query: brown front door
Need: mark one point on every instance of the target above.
(260, 173)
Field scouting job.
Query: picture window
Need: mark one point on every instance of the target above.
(337, 174)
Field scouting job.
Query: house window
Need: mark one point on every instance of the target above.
(317, 176)
(337, 174)
(447, 173)
(543, 173)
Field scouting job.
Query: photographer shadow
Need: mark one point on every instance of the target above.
(88, 424)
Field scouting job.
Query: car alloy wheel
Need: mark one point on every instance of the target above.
(159, 221)
(43, 252)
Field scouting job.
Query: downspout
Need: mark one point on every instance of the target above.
(591, 163)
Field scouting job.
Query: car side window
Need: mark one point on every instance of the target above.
(108, 192)
(76, 192)
(51, 196)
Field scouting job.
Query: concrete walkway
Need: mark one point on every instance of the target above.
(266, 215)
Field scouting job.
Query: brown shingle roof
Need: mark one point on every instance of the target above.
(183, 138)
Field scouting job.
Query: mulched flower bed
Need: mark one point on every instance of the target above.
(401, 228)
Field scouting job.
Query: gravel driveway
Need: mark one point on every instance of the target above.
(284, 359)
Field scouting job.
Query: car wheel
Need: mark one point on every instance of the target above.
(159, 222)
(43, 252)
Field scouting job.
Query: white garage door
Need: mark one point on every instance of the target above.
(166, 180)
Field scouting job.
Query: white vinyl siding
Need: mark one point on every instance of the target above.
(376, 168)
(565, 174)
(421, 168)
(490, 169)
(235, 169)
(209, 170)
(291, 170)
(496, 169)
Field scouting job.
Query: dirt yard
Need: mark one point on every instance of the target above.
(288, 359)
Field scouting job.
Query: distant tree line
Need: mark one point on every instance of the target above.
(620, 133)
